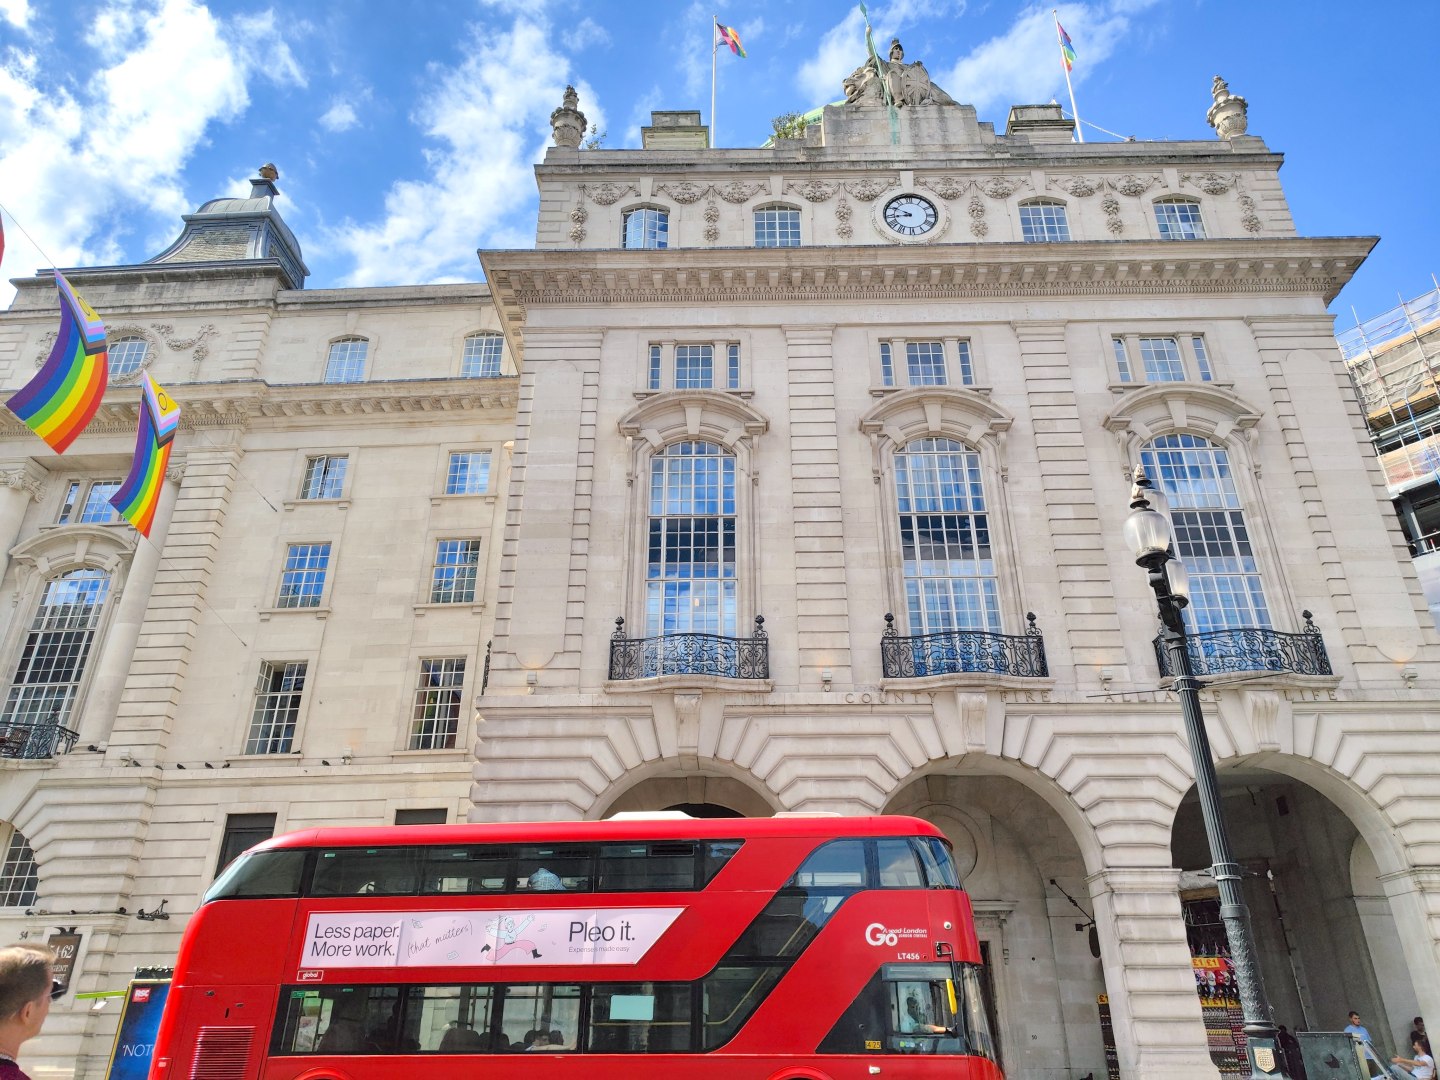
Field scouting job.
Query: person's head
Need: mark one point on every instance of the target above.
(542, 1038)
(555, 1037)
(1354, 1017)
(27, 982)
(1419, 1023)
(1282, 1029)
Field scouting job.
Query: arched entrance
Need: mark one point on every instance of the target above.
(1324, 930)
(696, 795)
(1018, 860)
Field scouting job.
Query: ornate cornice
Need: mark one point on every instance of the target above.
(240, 405)
(1279, 265)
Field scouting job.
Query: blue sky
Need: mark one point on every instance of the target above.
(405, 131)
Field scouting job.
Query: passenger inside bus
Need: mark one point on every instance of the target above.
(345, 1033)
(463, 1039)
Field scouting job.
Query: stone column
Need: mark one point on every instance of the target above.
(20, 484)
(1414, 896)
(112, 665)
(1159, 1031)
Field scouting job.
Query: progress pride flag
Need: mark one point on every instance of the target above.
(470, 938)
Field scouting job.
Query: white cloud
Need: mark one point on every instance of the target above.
(1022, 65)
(488, 123)
(841, 51)
(341, 116)
(696, 43)
(81, 157)
(15, 12)
(587, 34)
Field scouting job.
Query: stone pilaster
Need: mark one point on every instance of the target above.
(20, 485)
(822, 612)
(1414, 896)
(112, 666)
(161, 659)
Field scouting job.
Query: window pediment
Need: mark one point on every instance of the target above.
(707, 415)
(1167, 408)
(934, 411)
(70, 547)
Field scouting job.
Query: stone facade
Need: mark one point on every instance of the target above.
(1070, 780)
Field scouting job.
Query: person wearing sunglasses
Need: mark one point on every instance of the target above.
(27, 986)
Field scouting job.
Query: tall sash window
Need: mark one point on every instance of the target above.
(690, 573)
(57, 648)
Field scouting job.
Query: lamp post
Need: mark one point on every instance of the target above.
(1148, 533)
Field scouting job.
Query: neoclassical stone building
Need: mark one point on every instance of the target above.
(880, 387)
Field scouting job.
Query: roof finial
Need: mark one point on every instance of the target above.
(568, 122)
(1228, 115)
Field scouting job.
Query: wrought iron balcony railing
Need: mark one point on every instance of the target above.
(40, 740)
(952, 652)
(1252, 648)
(690, 654)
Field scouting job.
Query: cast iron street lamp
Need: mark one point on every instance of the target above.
(1148, 534)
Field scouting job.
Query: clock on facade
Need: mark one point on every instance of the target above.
(910, 215)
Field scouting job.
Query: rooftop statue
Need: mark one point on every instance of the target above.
(908, 84)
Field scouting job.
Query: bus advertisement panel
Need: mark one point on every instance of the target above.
(779, 948)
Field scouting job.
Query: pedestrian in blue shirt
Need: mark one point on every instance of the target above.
(1356, 1029)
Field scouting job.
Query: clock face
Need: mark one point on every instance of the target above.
(910, 215)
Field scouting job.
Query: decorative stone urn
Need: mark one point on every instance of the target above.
(1228, 115)
(568, 122)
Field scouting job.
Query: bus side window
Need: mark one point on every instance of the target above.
(466, 870)
(939, 863)
(717, 854)
(365, 872)
(639, 1018)
(899, 869)
(839, 864)
(648, 867)
(553, 868)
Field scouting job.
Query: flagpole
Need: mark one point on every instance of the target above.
(714, 48)
(1079, 134)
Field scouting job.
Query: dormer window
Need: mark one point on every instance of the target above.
(647, 227)
(346, 362)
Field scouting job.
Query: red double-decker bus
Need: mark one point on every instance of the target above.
(822, 948)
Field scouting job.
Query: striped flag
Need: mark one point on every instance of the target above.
(728, 35)
(62, 398)
(1067, 50)
(139, 495)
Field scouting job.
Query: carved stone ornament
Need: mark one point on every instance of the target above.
(1079, 186)
(1209, 183)
(18, 479)
(712, 233)
(976, 210)
(1134, 186)
(1249, 219)
(737, 192)
(998, 187)
(46, 344)
(609, 194)
(843, 212)
(892, 81)
(712, 212)
(814, 191)
(947, 187)
(870, 190)
(686, 193)
(579, 215)
(577, 233)
(1111, 206)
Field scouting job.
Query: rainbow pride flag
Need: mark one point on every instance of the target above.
(728, 35)
(1067, 48)
(60, 401)
(139, 495)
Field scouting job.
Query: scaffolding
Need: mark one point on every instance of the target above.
(1394, 362)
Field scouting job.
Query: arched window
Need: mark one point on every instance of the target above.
(647, 227)
(19, 876)
(1043, 221)
(125, 355)
(777, 226)
(52, 662)
(481, 358)
(1179, 219)
(346, 362)
(690, 569)
(946, 559)
(1211, 537)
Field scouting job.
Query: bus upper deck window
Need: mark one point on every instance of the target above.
(261, 873)
(365, 872)
(899, 867)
